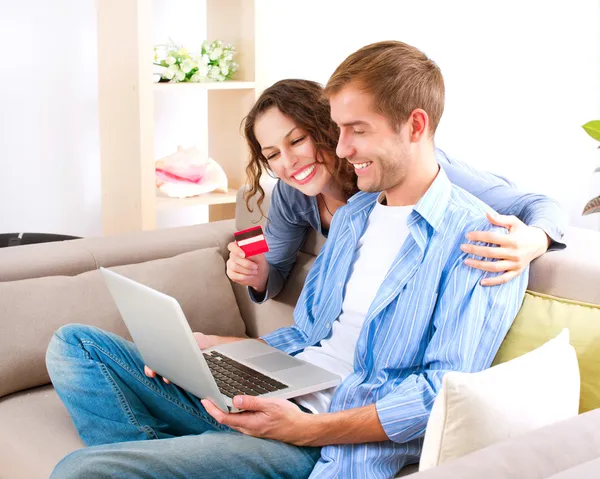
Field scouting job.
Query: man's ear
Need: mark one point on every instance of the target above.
(418, 122)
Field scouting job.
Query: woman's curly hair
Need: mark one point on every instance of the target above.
(304, 103)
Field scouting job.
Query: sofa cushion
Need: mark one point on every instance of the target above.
(542, 317)
(536, 454)
(45, 259)
(69, 258)
(264, 318)
(36, 434)
(586, 470)
(474, 410)
(32, 309)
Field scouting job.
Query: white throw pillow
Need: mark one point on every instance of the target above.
(474, 410)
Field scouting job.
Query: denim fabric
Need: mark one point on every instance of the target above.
(137, 426)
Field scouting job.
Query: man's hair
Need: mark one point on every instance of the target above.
(399, 77)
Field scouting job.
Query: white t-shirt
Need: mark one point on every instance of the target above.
(377, 248)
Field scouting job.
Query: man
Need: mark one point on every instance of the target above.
(389, 304)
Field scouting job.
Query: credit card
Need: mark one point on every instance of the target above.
(251, 241)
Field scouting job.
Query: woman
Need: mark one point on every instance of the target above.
(290, 133)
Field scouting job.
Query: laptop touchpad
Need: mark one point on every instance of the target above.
(273, 362)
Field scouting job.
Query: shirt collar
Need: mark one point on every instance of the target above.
(432, 205)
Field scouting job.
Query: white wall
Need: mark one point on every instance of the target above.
(521, 77)
(179, 119)
(49, 141)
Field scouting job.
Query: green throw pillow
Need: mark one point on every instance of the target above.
(540, 319)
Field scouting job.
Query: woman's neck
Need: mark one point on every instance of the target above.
(333, 193)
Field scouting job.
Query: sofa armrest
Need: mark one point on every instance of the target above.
(542, 453)
(571, 273)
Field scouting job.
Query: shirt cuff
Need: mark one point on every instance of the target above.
(401, 418)
(553, 233)
(288, 339)
(275, 283)
(256, 297)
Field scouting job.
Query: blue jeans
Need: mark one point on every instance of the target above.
(136, 426)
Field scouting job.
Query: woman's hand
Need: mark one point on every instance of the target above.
(515, 250)
(253, 272)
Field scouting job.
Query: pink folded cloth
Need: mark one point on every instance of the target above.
(187, 173)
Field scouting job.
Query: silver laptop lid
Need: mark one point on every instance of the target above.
(163, 336)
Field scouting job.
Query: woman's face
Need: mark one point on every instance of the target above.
(291, 154)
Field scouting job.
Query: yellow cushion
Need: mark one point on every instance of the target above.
(540, 319)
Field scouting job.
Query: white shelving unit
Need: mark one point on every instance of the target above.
(184, 87)
(214, 198)
(127, 99)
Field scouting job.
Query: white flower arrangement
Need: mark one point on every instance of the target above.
(213, 63)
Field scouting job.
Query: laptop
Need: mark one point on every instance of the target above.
(167, 345)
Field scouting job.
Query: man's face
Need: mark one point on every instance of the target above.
(380, 154)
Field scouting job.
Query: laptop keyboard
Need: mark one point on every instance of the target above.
(234, 378)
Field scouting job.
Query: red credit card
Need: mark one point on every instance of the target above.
(252, 241)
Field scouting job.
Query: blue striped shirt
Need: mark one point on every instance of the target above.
(292, 215)
(430, 316)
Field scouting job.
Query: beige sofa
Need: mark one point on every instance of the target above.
(45, 286)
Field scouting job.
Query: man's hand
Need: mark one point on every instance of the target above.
(515, 250)
(253, 272)
(204, 341)
(268, 418)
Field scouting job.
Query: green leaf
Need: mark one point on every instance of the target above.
(592, 128)
(593, 206)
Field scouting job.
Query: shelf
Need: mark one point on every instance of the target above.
(167, 203)
(220, 85)
(131, 110)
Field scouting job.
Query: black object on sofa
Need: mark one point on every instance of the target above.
(17, 239)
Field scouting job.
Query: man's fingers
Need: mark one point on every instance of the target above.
(504, 278)
(251, 403)
(491, 266)
(238, 420)
(151, 374)
(489, 252)
(213, 410)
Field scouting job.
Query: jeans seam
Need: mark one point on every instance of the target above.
(125, 407)
(153, 388)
